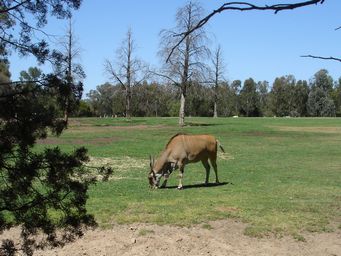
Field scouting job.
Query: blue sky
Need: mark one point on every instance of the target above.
(257, 44)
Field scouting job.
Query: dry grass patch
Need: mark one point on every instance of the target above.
(317, 129)
(105, 128)
(121, 166)
(224, 156)
(92, 141)
(123, 163)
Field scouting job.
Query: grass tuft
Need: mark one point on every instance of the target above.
(144, 232)
(206, 226)
(299, 237)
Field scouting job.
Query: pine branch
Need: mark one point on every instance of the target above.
(13, 7)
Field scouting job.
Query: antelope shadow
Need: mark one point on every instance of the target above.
(200, 124)
(201, 185)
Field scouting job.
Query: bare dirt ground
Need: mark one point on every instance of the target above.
(218, 238)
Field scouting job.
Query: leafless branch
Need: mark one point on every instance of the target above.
(241, 6)
(146, 75)
(110, 69)
(165, 76)
(320, 57)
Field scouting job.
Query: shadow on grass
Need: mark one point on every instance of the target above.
(200, 124)
(201, 185)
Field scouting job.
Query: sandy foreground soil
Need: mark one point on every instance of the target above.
(221, 238)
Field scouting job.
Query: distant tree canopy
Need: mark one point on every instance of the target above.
(320, 102)
(284, 97)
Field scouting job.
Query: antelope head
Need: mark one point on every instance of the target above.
(153, 178)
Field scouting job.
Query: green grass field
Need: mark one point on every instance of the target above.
(280, 176)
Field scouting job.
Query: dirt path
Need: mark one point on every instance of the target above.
(219, 238)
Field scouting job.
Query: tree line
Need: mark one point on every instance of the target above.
(193, 82)
(318, 97)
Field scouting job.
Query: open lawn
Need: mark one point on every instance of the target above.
(279, 175)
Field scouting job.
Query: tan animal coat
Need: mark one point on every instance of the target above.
(180, 150)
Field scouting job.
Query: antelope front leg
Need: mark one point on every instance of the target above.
(173, 166)
(165, 182)
(207, 168)
(181, 175)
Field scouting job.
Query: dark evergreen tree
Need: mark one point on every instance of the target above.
(41, 191)
(320, 104)
(300, 98)
(319, 101)
(227, 100)
(5, 75)
(249, 98)
(200, 100)
(281, 96)
(262, 89)
(336, 96)
(104, 102)
(84, 109)
(235, 89)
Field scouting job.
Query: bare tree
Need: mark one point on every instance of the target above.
(185, 64)
(67, 66)
(128, 71)
(218, 71)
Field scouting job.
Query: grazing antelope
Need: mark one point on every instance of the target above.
(180, 150)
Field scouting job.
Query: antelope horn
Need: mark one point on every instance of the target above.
(150, 162)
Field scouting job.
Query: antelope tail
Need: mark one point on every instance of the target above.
(220, 146)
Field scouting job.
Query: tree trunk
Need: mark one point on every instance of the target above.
(69, 74)
(215, 113)
(66, 112)
(182, 110)
(128, 99)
